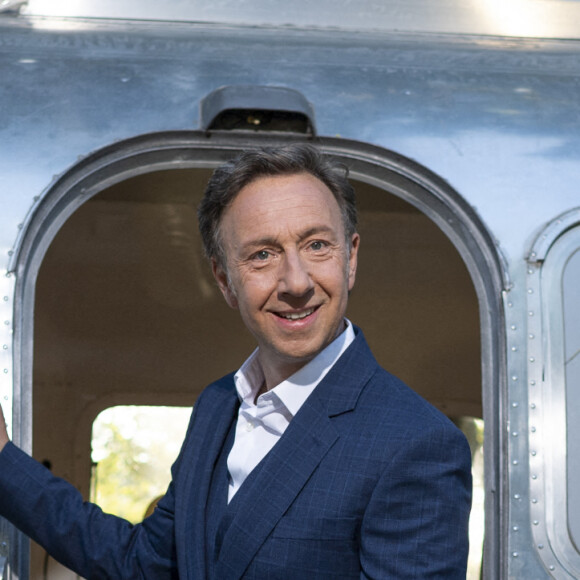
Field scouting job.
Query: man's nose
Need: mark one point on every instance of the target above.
(294, 275)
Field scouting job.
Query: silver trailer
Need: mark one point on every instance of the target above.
(460, 124)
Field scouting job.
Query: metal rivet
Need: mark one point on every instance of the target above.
(510, 304)
(530, 271)
(535, 522)
(534, 476)
(7, 322)
(5, 397)
(532, 405)
(515, 462)
(517, 496)
(540, 546)
(514, 378)
(11, 252)
(5, 346)
(514, 348)
(515, 434)
(530, 291)
(533, 254)
(534, 500)
(5, 371)
(532, 359)
(533, 383)
(552, 567)
(533, 429)
(531, 336)
(513, 327)
(515, 554)
(20, 226)
(531, 313)
(515, 529)
(6, 299)
(533, 454)
(514, 405)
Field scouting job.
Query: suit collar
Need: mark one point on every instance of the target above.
(341, 388)
(291, 462)
(293, 391)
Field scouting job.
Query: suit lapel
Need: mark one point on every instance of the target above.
(217, 409)
(282, 475)
(291, 462)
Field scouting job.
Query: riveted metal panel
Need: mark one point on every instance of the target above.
(551, 483)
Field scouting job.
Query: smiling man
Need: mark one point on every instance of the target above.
(289, 278)
(310, 461)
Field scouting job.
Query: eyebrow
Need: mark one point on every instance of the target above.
(270, 241)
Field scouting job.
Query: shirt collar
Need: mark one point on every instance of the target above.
(295, 389)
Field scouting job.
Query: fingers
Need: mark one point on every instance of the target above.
(3, 431)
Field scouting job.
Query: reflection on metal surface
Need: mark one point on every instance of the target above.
(554, 397)
(531, 18)
(517, 17)
(11, 5)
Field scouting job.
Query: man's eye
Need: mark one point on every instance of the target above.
(317, 245)
(261, 255)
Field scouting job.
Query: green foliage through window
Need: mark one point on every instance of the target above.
(133, 448)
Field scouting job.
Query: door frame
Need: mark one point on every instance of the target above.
(380, 167)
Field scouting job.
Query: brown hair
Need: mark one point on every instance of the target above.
(230, 178)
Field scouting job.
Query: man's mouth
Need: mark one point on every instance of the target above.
(296, 315)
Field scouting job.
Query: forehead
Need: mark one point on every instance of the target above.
(285, 201)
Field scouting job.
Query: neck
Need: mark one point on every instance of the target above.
(277, 372)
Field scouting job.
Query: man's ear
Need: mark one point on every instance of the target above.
(222, 279)
(353, 260)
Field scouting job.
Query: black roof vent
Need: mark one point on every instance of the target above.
(257, 108)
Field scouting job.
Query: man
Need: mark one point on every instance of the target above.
(311, 461)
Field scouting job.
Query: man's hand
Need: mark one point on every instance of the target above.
(3, 431)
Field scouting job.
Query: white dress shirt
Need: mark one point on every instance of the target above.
(262, 423)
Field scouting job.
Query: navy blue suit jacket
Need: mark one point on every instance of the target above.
(368, 481)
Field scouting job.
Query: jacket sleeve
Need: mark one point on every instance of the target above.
(78, 534)
(421, 504)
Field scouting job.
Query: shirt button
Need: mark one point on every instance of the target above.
(249, 426)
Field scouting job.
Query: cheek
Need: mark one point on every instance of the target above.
(336, 276)
(255, 290)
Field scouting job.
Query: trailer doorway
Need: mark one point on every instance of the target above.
(126, 312)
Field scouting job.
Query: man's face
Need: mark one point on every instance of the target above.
(289, 269)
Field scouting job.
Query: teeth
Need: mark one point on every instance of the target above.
(298, 315)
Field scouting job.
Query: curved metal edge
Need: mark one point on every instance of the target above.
(430, 194)
(550, 233)
(12, 7)
(547, 395)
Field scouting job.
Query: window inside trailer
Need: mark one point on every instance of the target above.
(133, 449)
